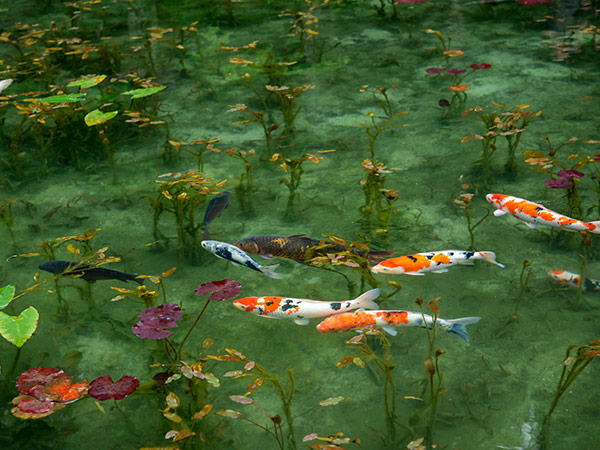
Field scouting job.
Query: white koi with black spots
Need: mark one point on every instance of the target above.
(239, 257)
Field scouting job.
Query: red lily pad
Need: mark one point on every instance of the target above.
(154, 320)
(222, 290)
(38, 376)
(103, 388)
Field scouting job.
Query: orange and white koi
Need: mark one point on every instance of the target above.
(574, 279)
(301, 309)
(436, 262)
(388, 320)
(534, 214)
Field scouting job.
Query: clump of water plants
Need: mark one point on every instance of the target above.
(182, 195)
(377, 127)
(456, 78)
(572, 366)
(379, 199)
(510, 125)
(305, 26)
(245, 185)
(464, 204)
(289, 109)
(295, 173)
(268, 129)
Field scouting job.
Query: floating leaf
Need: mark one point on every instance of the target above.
(139, 93)
(87, 82)
(172, 400)
(310, 437)
(38, 376)
(230, 413)
(103, 388)
(154, 320)
(97, 117)
(203, 412)
(241, 399)
(66, 98)
(331, 401)
(6, 295)
(17, 330)
(222, 290)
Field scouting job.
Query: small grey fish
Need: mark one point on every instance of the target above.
(88, 273)
(214, 209)
(235, 255)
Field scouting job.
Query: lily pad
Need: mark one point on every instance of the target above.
(6, 295)
(96, 117)
(87, 82)
(103, 388)
(38, 376)
(145, 92)
(66, 98)
(154, 320)
(17, 330)
(222, 290)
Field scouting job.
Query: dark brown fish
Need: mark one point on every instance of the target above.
(214, 209)
(298, 248)
(88, 273)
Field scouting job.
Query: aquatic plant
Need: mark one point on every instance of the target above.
(333, 441)
(510, 124)
(7, 218)
(305, 26)
(295, 173)
(432, 368)
(375, 129)
(375, 193)
(456, 78)
(385, 366)
(104, 388)
(464, 204)
(259, 117)
(287, 97)
(182, 195)
(572, 366)
(245, 185)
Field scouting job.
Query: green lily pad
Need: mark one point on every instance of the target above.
(96, 117)
(87, 82)
(66, 98)
(17, 330)
(139, 93)
(6, 295)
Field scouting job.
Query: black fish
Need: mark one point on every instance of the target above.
(88, 273)
(214, 209)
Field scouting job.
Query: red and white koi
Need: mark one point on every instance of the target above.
(301, 309)
(436, 262)
(388, 320)
(534, 214)
(571, 279)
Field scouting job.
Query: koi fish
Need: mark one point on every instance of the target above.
(298, 248)
(387, 320)
(301, 309)
(574, 279)
(534, 214)
(88, 273)
(214, 209)
(238, 257)
(436, 262)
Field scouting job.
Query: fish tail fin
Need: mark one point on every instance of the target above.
(138, 280)
(270, 271)
(596, 229)
(206, 233)
(459, 326)
(366, 300)
(491, 258)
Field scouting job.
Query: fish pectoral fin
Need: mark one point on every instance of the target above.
(533, 226)
(442, 270)
(267, 256)
(301, 321)
(233, 262)
(499, 213)
(390, 330)
(413, 273)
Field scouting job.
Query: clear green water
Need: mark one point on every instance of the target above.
(499, 387)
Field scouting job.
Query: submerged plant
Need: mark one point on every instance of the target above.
(246, 177)
(287, 97)
(377, 127)
(385, 366)
(295, 172)
(259, 117)
(464, 204)
(572, 366)
(456, 78)
(182, 195)
(379, 200)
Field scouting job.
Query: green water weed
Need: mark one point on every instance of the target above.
(374, 130)
(287, 97)
(268, 129)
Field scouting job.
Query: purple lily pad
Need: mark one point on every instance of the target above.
(154, 320)
(456, 71)
(38, 376)
(559, 183)
(221, 290)
(570, 174)
(435, 70)
(103, 388)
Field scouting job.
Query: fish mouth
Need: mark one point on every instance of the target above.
(239, 306)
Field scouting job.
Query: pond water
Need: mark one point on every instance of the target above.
(373, 134)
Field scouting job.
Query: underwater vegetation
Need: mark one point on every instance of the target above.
(172, 174)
